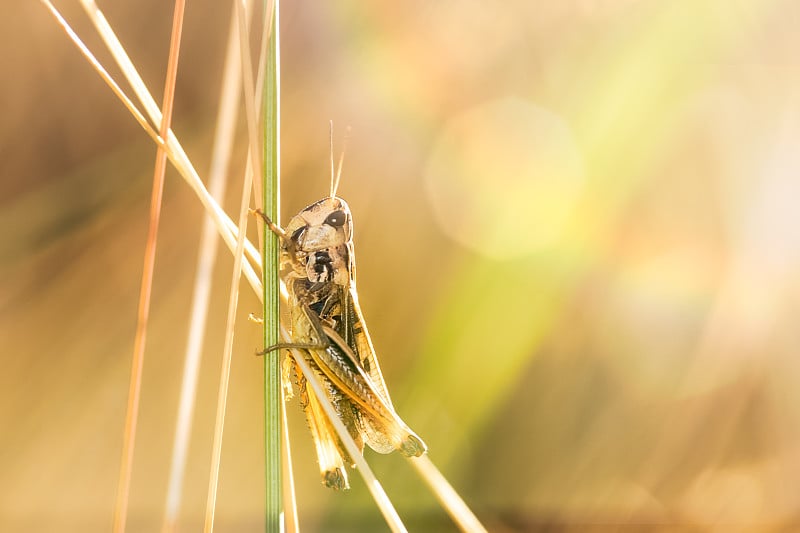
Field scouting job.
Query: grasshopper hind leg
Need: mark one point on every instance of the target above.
(330, 454)
(335, 479)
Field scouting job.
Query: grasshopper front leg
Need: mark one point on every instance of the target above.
(287, 243)
(274, 228)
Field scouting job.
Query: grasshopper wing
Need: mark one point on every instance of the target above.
(356, 373)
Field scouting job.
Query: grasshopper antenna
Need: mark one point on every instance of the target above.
(335, 181)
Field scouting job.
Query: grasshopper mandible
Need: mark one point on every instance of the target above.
(318, 268)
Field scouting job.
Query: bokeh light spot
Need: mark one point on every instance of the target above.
(503, 177)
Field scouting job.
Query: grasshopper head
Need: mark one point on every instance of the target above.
(321, 234)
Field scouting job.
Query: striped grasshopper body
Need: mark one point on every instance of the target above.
(328, 329)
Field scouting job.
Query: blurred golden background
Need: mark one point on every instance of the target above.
(578, 246)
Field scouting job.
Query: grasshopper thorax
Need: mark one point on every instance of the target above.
(320, 239)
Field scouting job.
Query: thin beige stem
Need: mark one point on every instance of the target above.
(115, 88)
(132, 412)
(209, 240)
(458, 510)
(254, 163)
(251, 113)
(259, 89)
(289, 500)
(224, 379)
(261, 75)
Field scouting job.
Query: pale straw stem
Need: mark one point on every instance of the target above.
(103, 73)
(209, 240)
(224, 379)
(458, 510)
(289, 499)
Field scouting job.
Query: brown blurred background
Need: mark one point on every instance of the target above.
(577, 236)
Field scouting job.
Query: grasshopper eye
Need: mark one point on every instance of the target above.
(336, 219)
(297, 233)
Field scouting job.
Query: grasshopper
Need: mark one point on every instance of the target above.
(318, 267)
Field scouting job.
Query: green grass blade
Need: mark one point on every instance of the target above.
(271, 189)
